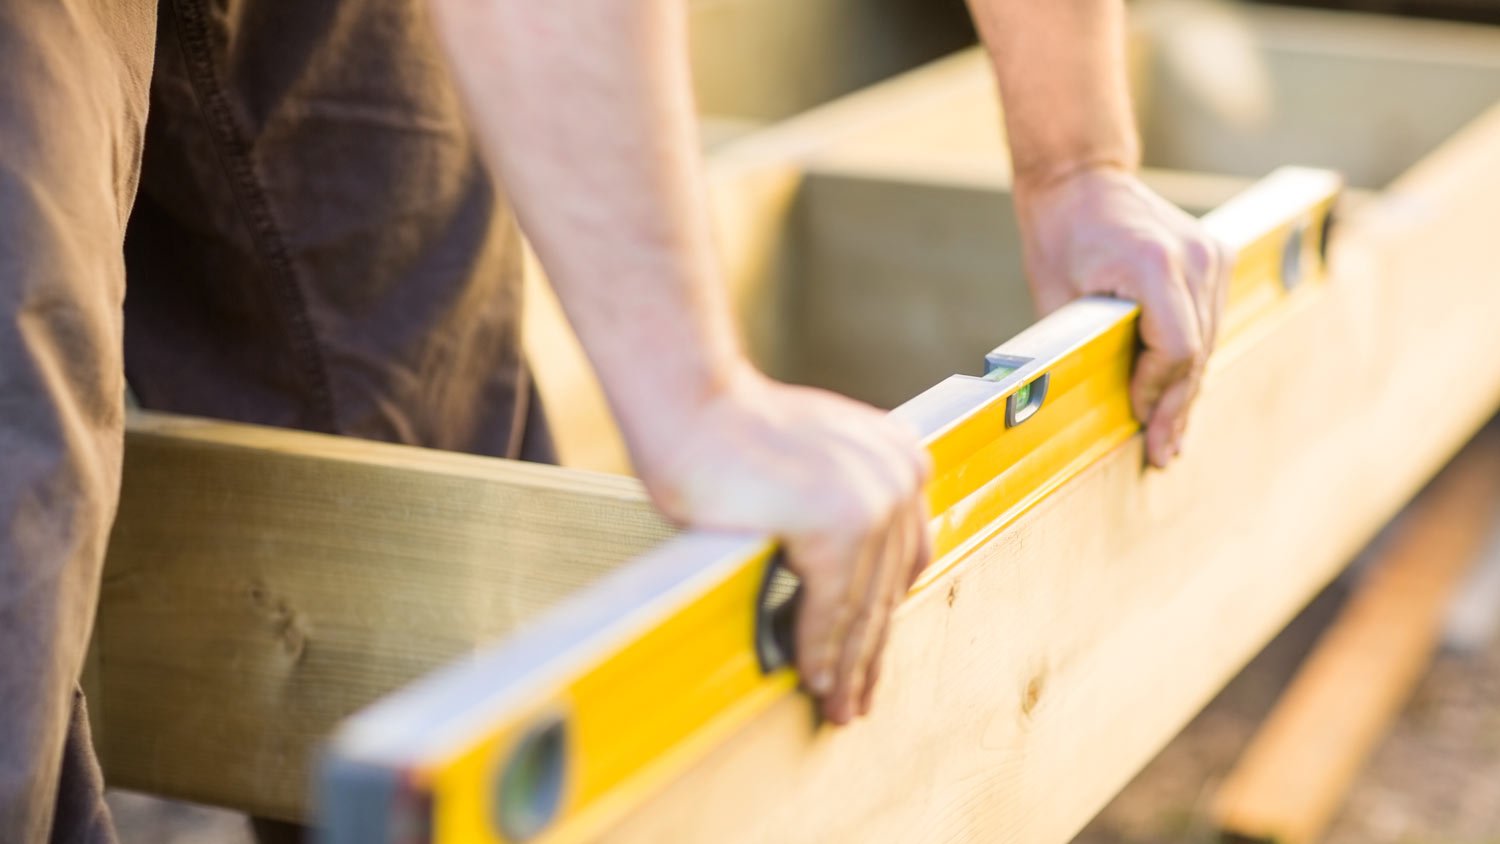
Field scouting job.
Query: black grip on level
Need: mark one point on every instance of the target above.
(776, 617)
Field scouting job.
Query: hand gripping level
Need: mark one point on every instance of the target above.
(551, 735)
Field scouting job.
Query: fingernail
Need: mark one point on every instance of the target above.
(821, 682)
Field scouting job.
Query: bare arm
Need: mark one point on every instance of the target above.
(1061, 67)
(585, 114)
(1088, 223)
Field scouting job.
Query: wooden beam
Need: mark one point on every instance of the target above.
(1027, 686)
(1296, 773)
(263, 584)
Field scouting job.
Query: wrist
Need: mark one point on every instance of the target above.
(657, 417)
(1041, 175)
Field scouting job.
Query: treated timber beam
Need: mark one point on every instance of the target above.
(1028, 685)
(1296, 773)
(263, 584)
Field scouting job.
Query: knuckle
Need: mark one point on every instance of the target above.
(1194, 349)
(907, 480)
(860, 620)
(820, 627)
(1196, 370)
(824, 566)
(901, 430)
(1225, 255)
(1153, 258)
(1183, 351)
(1169, 370)
(835, 501)
(856, 513)
(1182, 369)
(1199, 254)
(925, 466)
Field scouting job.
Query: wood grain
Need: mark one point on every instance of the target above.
(262, 584)
(1297, 771)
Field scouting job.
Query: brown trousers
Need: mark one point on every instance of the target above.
(309, 241)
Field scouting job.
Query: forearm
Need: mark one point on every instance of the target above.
(1061, 69)
(585, 113)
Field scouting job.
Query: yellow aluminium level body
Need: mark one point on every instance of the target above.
(550, 736)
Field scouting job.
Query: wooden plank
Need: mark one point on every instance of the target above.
(614, 653)
(1296, 773)
(1127, 599)
(263, 584)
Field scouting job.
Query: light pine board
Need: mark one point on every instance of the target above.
(262, 584)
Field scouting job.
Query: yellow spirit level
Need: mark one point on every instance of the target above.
(549, 736)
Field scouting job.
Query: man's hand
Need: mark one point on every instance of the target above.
(607, 181)
(1089, 225)
(1099, 230)
(839, 482)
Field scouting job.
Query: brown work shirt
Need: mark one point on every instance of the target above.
(313, 244)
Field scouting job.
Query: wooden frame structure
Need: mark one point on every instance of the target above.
(263, 584)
